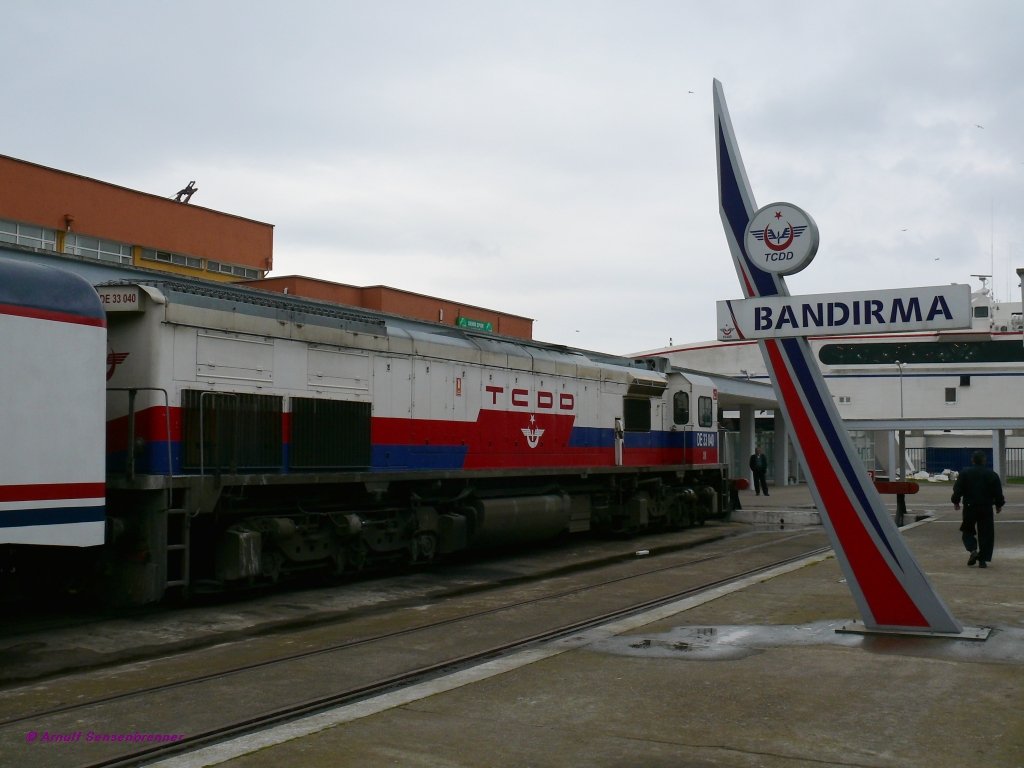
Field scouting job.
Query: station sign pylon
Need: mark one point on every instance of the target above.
(889, 587)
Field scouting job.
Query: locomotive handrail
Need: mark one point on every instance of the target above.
(130, 460)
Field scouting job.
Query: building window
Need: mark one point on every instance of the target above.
(27, 235)
(95, 248)
(172, 258)
(965, 380)
(922, 352)
(232, 269)
(950, 394)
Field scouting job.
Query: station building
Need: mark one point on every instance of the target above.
(395, 301)
(108, 232)
(51, 211)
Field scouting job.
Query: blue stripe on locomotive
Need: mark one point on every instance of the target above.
(600, 437)
(152, 456)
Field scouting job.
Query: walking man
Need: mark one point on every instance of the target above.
(979, 488)
(759, 466)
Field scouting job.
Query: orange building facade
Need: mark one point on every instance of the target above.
(54, 210)
(394, 301)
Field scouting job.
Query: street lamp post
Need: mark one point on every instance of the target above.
(900, 366)
(902, 440)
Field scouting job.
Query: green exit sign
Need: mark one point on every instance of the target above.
(474, 325)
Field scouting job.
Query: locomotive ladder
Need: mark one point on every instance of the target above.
(176, 556)
(176, 533)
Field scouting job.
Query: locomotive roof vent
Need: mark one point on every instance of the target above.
(659, 364)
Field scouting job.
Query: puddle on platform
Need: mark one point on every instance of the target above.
(731, 642)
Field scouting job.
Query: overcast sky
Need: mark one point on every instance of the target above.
(549, 159)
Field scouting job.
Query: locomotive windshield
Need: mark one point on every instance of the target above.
(681, 408)
(705, 412)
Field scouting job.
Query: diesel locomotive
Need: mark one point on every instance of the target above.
(195, 436)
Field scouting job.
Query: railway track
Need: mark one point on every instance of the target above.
(247, 687)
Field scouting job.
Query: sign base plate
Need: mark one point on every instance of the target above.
(968, 633)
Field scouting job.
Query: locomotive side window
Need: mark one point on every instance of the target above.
(329, 434)
(636, 414)
(705, 413)
(681, 408)
(239, 431)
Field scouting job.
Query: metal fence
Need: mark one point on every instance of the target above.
(935, 460)
(931, 460)
(1014, 465)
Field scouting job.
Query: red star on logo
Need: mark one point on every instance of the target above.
(778, 214)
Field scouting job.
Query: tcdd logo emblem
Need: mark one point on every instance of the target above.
(781, 238)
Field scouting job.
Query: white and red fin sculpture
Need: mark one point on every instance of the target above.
(891, 591)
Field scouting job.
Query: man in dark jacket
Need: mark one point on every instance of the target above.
(979, 488)
(759, 466)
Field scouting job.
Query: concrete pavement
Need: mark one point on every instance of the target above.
(754, 676)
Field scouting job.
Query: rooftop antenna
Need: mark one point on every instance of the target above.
(984, 283)
(992, 242)
(184, 195)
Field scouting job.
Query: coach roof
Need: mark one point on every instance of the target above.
(48, 293)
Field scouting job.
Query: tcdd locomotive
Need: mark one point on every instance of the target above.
(252, 436)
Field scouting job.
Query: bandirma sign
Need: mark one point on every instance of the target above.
(942, 307)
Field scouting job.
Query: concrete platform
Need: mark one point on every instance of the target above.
(751, 676)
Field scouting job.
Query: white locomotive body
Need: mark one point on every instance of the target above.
(252, 436)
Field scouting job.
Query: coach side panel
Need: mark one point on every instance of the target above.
(51, 418)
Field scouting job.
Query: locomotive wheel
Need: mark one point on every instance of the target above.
(272, 563)
(338, 562)
(357, 555)
(424, 547)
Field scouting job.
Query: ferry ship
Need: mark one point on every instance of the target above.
(946, 393)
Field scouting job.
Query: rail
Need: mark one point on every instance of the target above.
(282, 711)
(319, 704)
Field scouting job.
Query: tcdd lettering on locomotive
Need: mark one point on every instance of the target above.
(542, 400)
